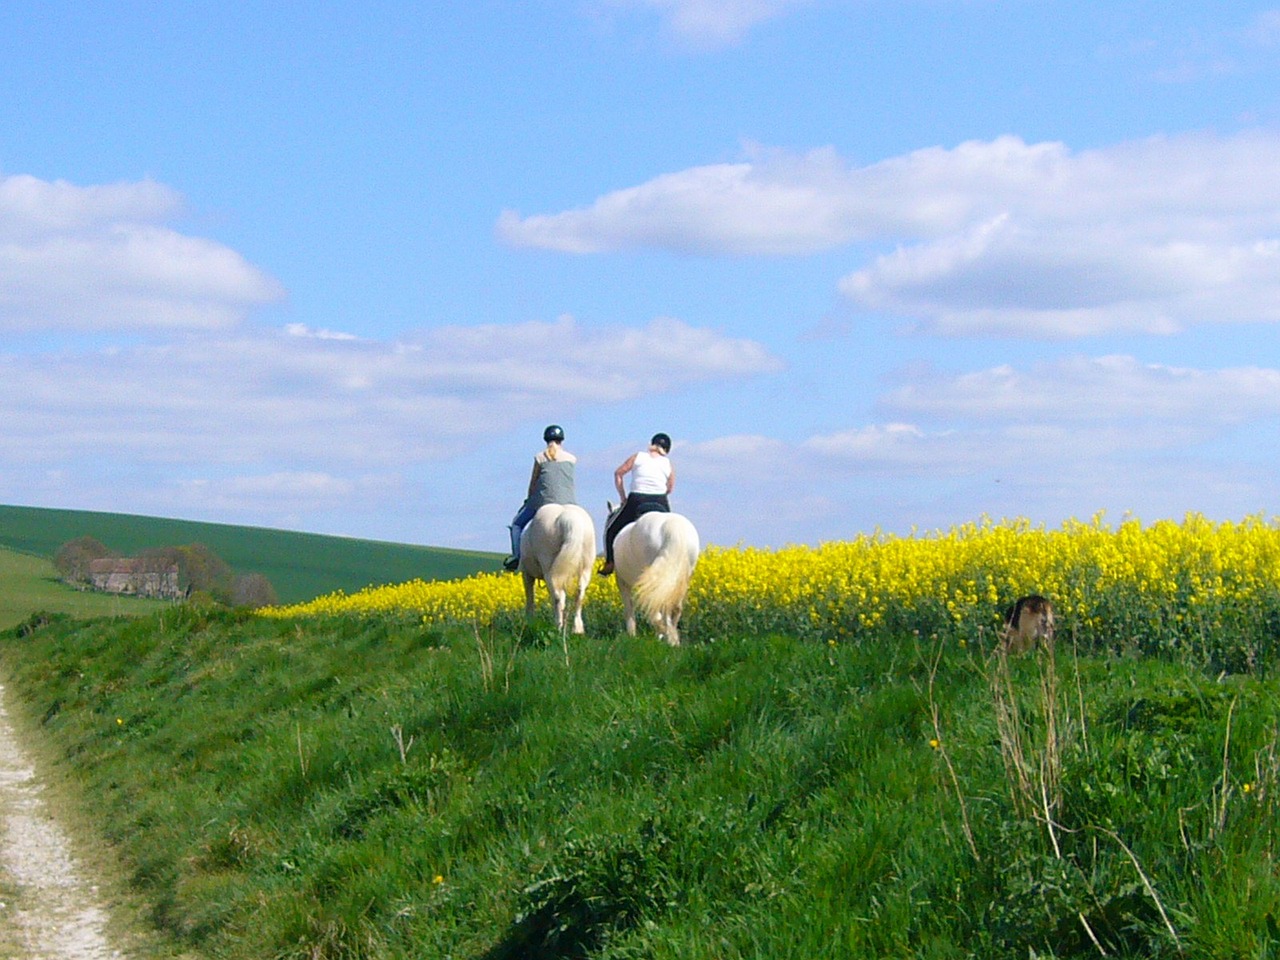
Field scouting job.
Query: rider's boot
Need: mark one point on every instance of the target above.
(512, 562)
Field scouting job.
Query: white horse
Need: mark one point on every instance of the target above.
(653, 559)
(558, 547)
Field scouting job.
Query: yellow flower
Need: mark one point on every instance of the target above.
(1173, 572)
(935, 743)
(437, 879)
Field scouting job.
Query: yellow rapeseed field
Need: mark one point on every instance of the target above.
(1099, 577)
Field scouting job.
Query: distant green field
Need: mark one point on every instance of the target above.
(300, 565)
(29, 584)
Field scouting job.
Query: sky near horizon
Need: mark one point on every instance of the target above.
(874, 266)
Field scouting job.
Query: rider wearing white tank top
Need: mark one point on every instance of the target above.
(649, 473)
(652, 478)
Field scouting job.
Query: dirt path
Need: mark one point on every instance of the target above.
(48, 909)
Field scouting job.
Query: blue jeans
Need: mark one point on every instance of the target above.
(518, 523)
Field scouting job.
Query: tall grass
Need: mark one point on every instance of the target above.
(370, 787)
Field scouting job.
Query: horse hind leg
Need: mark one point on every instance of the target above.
(628, 609)
(665, 627)
(673, 618)
(559, 602)
(578, 626)
(528, 597)
(673, 629)
(672, 632)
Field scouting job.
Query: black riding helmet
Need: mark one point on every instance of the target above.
(553, 432)
(662, 442)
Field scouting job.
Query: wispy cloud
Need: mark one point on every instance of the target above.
(1264, 30)
(270, 493)
(328, 400)
(1075, 410)
(105, 257)
(1052, 440)
(1223, 47)
(776, 204)
(994, 237)
(212, 413)
(1082, 391)
(710, 24)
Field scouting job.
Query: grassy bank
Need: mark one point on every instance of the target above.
(367, 787)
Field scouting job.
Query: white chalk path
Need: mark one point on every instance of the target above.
(57, 914)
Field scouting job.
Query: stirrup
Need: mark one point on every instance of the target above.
(607, 569)
(511, 564)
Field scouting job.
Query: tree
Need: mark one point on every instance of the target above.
(202, 570)
(253, 590)
(73, 557)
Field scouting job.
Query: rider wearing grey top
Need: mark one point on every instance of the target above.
(551, 482)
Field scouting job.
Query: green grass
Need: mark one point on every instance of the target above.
(364, 788)
(29, 584)
(300, 566)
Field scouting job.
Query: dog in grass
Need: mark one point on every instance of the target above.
(1028, 620)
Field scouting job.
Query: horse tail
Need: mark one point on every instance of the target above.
(577, 536)
(663, 584)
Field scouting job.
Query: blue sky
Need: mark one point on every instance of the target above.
(873, 265)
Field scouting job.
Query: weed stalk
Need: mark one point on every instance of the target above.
(397, 733)
(941, 746)
(302, 756)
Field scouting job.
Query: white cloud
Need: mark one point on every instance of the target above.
(711, 23)
(1082, 391)
(998, 237)
(281, 491)
(1060, 416)
(1264, 29)
(306, 429)
(316, 401)
(1071, 280)
(1050, 440)
(780, 204)
(104, 258)
(724, 459)
(302, 330)
(562, 359)
(1236, 45)
(890, 443)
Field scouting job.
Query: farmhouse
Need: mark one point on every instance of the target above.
(135, 577)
